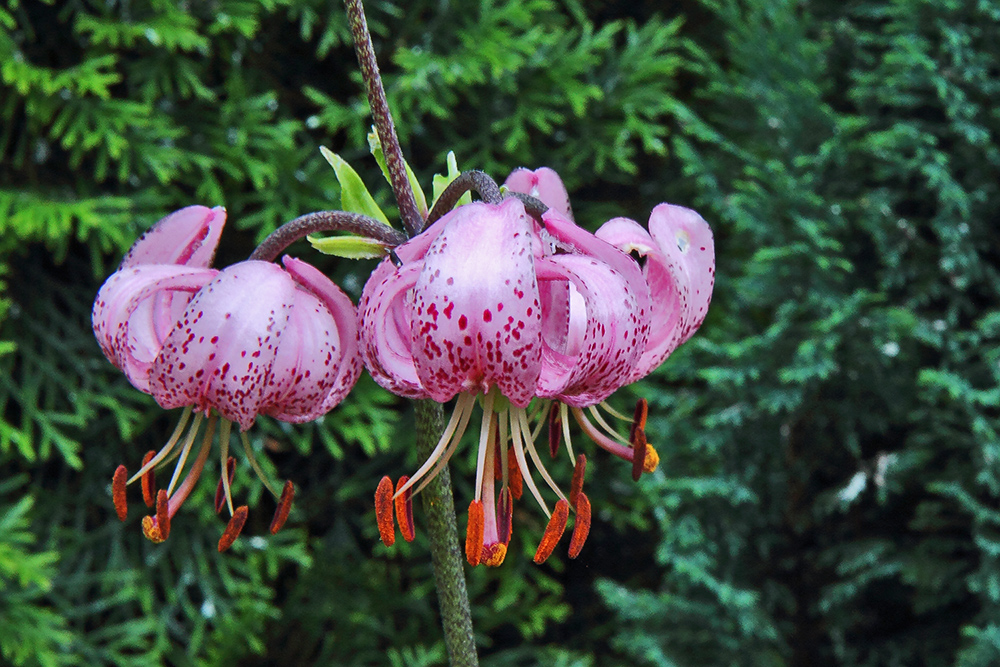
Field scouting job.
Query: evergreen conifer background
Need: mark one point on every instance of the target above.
(830, 465)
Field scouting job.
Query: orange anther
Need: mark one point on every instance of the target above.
(148, 481)
(493, 554)
(220, 491)
(553, 531)
(404, 510)
(652, 459)
(555, 429)
(383, 512)
(162, 514)
(150, 530)
(514, 478)
(505, 513)
(581, 525)
(579, 470)
(474, 533)
(639, 418)
(233, 528)
(118, 492)
(638, 452)
(284, 507)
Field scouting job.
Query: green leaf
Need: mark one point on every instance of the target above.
(349, 247)
(376, 148)
(354, 196)
(441, 182)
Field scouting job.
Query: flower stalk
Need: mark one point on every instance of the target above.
(408, 211)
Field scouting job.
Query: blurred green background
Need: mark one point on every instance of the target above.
(829, 484)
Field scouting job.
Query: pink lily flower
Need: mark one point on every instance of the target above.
(251, 339)
(490, 304)
(678, 269)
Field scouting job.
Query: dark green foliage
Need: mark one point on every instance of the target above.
(829, 488)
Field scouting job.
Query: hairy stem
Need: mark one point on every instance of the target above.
(449, 572)
(325, 221)
(408, 211)
(488, 191)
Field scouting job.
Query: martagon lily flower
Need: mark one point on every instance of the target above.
(493, 305)
(252, 339)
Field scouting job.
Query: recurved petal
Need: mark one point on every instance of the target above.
(188, 236)
(123, 317)
(689, 250)
(605, 336)
(542, 183)
(384, 328)
(476, 317)
(221, 353)
(345, 326)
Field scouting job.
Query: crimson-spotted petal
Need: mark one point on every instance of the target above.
(543, 184)
(220, 353)
(188, 236)
(124, 323)
(476, 320)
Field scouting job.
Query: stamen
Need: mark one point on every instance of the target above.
(538, 461)
(228, 468)
(522, 463)
(505, 515)
(581, 525)
(148, 480)
(383, 512)
(404, 510)
(177, 499)
(118, 492)
(485, 438)
(639, 420)
(284, 507)
(564, 419)
(614, 413)
(256, 466)
(474, 533)
(553, 531)
(603, 441)
(555, 429)
(174, 437)
(233, 528)
(599, 418)
(225, 483)
(579, 470)
(157, 528)
(448, 443)
(638, 453)
(188, 442)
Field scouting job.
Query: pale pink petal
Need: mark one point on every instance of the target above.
(543, 184)
(476, 318)
(220, 354)
(343, 330)
(188, 236)
(687, 244)
(384, 328)
(605, 333)
(123, 318)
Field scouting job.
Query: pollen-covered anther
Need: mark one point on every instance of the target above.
(220, 490)
(404, 509)
(383, 512)
(157, 528)
(493, 554)
(233, 528)
(505, 515)
(581, 525)
(555, 429)
(553, 532)
(474, 533)
(118, 492)
(639, 418)
(284, 507)
(652, 459)
(639, 449)
(579, 471)
(148, 481)
(514, 479)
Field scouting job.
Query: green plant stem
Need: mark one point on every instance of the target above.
(408, 211)
(449, 572)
